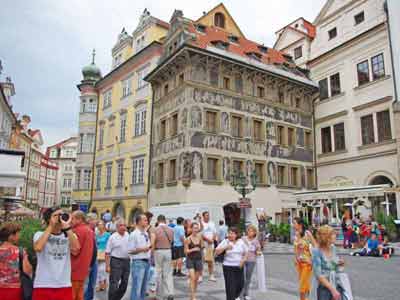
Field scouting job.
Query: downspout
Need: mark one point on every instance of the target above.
(315, 141)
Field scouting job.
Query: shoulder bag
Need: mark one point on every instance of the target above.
(26, 280)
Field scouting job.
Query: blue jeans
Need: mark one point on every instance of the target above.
(139, 271)
(90, 282)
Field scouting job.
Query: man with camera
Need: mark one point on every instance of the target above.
(80, 261)
(53, 248)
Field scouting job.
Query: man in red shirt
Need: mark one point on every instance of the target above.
(80, 262)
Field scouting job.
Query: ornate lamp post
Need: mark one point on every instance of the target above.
(240, 183)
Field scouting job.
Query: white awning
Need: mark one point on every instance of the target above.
(343, 193)
(12, 181)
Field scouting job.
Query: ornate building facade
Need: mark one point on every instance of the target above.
(224, 104)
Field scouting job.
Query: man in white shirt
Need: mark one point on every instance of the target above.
(117, 261)
(140, 250)
(209, 236)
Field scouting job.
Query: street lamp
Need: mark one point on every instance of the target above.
(240, 184)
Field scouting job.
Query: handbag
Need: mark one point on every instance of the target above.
(26, 280)
(101, 255)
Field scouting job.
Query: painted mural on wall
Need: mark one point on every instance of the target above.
(197, 165)
(195, 117)
(225, 122)
(191, 166)
(279, 114)
(183, 119)
(226, 168)
(170, 145)
(170, 103)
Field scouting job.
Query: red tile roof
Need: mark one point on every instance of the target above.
(162, 23)
(310, 29)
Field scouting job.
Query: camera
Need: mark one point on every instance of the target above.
(64, 216)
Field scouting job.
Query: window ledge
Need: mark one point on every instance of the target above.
(263, 184)
(359, 87)
(213, 182)
(373, 145)
(331, 98)
(172, 183)
(136, 184)
(289, 187)
(139, 135)
(322, 155)
(110, 146)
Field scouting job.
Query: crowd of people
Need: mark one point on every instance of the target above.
(78, 254)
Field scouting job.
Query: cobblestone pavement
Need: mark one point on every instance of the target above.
(371, 278)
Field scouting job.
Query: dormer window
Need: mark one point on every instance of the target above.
(220, 44)
(263, 48)
(254, 55)
(219, 20)
(233, 38)
(201, 28)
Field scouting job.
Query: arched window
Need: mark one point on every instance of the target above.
(219, 20)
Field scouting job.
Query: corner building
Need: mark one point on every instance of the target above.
(123, 121)
(224, 104)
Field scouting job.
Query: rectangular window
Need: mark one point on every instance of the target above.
(140, 122)
(308, 139)
(98, 178)
(78, 179)
(335, 84)
(384, 129)
(87, 176)
(281, 175)
(141, 75)
(236, 126)
(163, 129)
(297, 103)
(181, 78)
(359, 18)
(172, 170)
(174, 125)
(378, 66)
(101, 137)
(120, 173)
(326, 140)
(291, 136)
(160, 173)
(298, 52)
(323, 89)
(260, 92)
(338, 133)
(211, 121)
(259, 169)
(122, 132)
(126, 87)
(257, 130)
(238, 167)
(227, 83)
(107, 99)
(367, 130)
(363, 72)
(310, 178)
(294, 176)
(332, 33)
(137, 170)
(166, 89)
(108, 176)
(280, 135)
(212, 171)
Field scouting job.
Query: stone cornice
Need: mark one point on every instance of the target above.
(331, 117)
(372, 103)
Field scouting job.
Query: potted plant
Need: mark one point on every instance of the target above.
(284, 233)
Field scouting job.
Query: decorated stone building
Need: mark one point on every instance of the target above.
(224, 104)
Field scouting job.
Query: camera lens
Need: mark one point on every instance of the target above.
(65, 217)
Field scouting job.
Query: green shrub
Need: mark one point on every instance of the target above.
(29, 227)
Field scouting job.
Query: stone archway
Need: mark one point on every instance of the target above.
(133, 213)
(377, 203)
(381, 179)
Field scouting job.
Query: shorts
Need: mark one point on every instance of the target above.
(196, 264)
(209, 254)
(177, 252)
(52, 293)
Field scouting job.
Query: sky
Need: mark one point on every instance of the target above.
(45, 43)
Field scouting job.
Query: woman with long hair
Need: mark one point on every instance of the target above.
(254, 249)
(325, 265)
(303, 260)
(193, 247)
(235, 256)
(102, 237)
(10, 284)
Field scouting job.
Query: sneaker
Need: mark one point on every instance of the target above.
(180, 274)
(212, 278)
(200, 279)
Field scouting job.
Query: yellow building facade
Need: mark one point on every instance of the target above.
(123, 123)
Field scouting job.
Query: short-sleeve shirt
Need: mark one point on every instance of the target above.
(80, 263)
(53, 262)
(302, 250)
(234, 256)
(9, 267)
(101, 240)
(252, 245)
(179, 233)
(139, 239)
(117, 245)
(209, 231)
(372, 244)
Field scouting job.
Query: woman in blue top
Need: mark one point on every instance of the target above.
(102, 237)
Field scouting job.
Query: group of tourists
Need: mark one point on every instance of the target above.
(320, 270)
(78, 254)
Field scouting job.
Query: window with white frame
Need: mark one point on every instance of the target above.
(101, 136)
(91, 106)
(138, 170)
(120, 173)
(140, 122)
(126, 87)
(122, 131)
(98, 177)
(78, 179)
(87, 175)
(107, 99)
(108, 175)
(141, 74)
